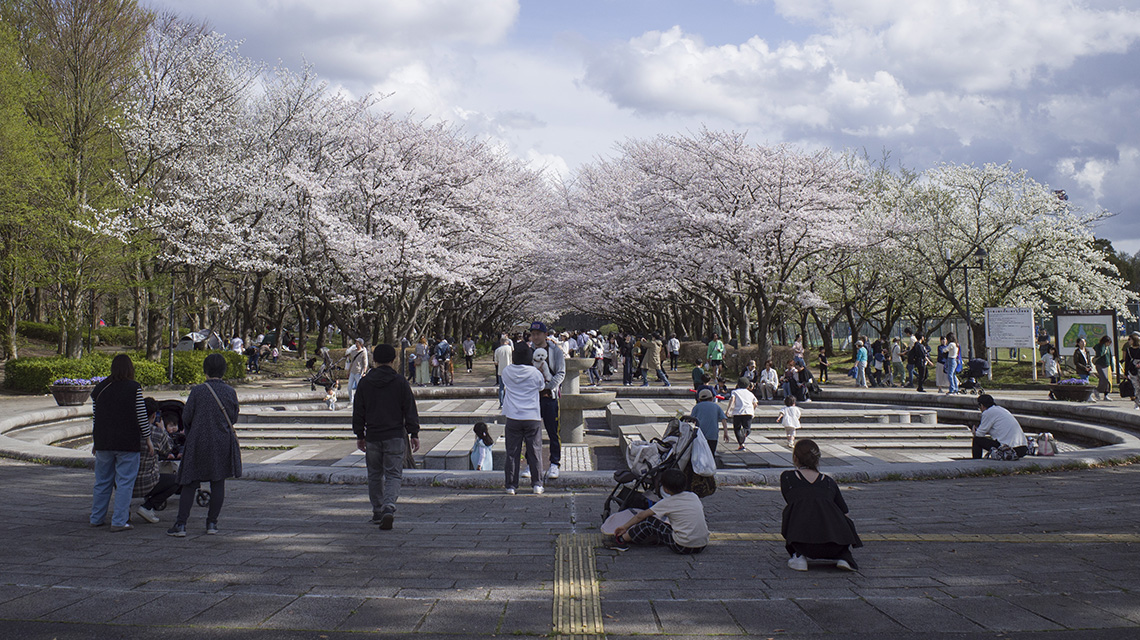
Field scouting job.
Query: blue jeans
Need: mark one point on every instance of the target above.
(952, 375)
(502, 390)
(114, 471)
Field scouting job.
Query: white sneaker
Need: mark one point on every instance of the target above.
(146, 514)
(797, 563)
(842, 564)
(510, 491)
(552, 472)
(525, 473)
(538, 489)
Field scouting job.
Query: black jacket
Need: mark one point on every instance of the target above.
(384, 407)
(119, 416)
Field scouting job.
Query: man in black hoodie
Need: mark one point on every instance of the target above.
(383, 412)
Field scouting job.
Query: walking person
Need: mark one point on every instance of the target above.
(1103, 361)
(468, 352)
(941, 380)
(212, 452)
(919, 358)
(502, 357)
(823, 364)
(652, 361)
(552, 390)
(357, 367)
(907, 342)
(674, 351)
(1131, 357)
(627, 356)
(385, 420)
(742, 408)
(715, 356)
(119, 426)
(524, 387)
(423, 362)
(952, 360)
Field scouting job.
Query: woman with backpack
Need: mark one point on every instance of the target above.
(952, 354)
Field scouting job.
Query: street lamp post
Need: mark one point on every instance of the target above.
(980, 260)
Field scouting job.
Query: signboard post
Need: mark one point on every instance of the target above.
(1011, 327)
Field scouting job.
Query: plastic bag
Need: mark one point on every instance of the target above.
(704, 464)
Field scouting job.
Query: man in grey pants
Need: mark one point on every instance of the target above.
(383, 415)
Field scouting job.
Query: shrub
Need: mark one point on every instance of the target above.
(38, 331)
(36, 374)
(119, 336)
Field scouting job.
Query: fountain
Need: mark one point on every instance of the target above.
(571, 425)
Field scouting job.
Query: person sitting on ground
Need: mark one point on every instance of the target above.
(815, 525)
(742, 408)
(997, 427)
(677, 521)
(152, 486)
(708, 414)
(481, 457)
(769, 380)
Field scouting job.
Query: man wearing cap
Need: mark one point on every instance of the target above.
(357, 366)
(383, 415)
(708, 415)
(548, 398)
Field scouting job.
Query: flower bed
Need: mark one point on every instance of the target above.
(1072, 390)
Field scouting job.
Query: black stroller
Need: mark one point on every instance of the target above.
(673, 452)
(173, 409)
(976, 369)
(325, 375)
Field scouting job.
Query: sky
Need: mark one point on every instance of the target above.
(1050, 86)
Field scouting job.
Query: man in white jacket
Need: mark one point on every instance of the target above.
(357, 366)
(548, 399)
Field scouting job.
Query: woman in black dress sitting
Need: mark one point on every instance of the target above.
(815, 523)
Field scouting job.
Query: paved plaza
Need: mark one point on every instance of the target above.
(1053, 554)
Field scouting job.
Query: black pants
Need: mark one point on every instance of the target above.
(186, 500)
(980, 445)
(742, 426)
(920, 377)
(627, 371)
(672, 362)
(468, 359)
(548, 407)
(712, 445)
(822, 373)
(166, 487)
(821, 551)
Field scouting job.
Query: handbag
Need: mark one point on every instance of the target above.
(704, 464)
(1046, 444)
(235, 446)
(1126, 389)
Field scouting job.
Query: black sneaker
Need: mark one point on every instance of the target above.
(211, 528)
(177, 531)
(386, 520)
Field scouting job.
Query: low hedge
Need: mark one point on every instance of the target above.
(38, 331)
(118, 336)
(36, 374)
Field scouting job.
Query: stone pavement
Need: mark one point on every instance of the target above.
(975, 557)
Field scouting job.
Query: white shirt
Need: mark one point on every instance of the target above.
(790, 417)
(742, 402)
(674, 345)
(684, 512)
(896, 352)
(503, 357)
(469, 347)
(521, 385)
(770, 377)
(1050, 364)
(999, 424)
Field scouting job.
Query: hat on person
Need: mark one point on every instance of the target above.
(539, 326)
(593, 334)
(705, 394)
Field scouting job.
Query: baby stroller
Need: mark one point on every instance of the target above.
(172, 409)
(975, 370)
(324, 376)
(648, 462)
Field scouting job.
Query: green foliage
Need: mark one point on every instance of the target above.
(119, 336)
(36, 374)
(38, 331)
(607, 329)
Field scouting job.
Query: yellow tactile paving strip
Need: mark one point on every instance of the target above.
(577, 599)
(1005, 538)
